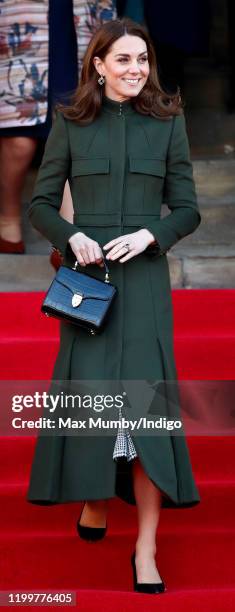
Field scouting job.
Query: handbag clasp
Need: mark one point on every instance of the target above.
(76, 300)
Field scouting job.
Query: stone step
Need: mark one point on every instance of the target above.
(35, 273)
(183, 250)
(25, 272)
(202, 272)
(214, 179)
(217, 227)
(208, 272)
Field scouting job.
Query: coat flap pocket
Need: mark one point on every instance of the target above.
(90, 165)
(148, 165)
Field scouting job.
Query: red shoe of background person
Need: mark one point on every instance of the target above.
(8, 247)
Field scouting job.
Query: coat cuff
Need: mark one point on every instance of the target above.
(153, 249)
(170, 229)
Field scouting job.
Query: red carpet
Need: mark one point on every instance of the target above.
(39, 545)
(204, 335)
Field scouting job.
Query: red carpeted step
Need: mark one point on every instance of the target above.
(203, 311)
(60, 519)
(28, 358)
(21, 316)
(197, 358)
(193, 600)
(204, 335)
(201, 560)
(200, 357)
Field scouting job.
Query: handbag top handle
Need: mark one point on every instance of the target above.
(107, 275)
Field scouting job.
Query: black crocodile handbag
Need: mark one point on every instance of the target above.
(79, 298)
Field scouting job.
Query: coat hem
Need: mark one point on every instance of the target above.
(167, 502)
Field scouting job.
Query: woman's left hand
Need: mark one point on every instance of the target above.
(137, 242)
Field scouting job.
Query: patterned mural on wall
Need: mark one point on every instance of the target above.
(23, 62)
(24, 43)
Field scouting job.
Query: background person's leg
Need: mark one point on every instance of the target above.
(16, 154)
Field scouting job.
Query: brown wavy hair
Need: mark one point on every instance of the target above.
(86, 102)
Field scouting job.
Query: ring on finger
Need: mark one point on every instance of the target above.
(119, 247)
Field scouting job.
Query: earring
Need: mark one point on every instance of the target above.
(101, 80)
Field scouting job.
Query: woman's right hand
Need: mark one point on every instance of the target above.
(86, 250)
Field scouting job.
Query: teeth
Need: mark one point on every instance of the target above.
(131, 80)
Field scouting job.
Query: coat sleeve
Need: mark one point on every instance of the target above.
(49, 188)
(179, 193)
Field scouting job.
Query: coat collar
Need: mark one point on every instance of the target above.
(117, 108)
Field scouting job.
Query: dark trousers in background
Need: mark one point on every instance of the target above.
(170, 63)
(231, 54)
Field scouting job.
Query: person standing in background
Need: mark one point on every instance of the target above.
(23, 107)
(33, 49)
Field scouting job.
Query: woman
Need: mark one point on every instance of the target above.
(124, 148)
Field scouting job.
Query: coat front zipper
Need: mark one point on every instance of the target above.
(121, 115)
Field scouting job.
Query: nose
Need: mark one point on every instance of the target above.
(134, 68)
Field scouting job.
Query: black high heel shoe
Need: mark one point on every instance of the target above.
(145, 587)
(91, 534)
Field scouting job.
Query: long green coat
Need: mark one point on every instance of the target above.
(121, 168)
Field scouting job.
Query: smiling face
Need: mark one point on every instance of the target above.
(125, 68)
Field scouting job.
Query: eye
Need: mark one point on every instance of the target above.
(125, 59)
